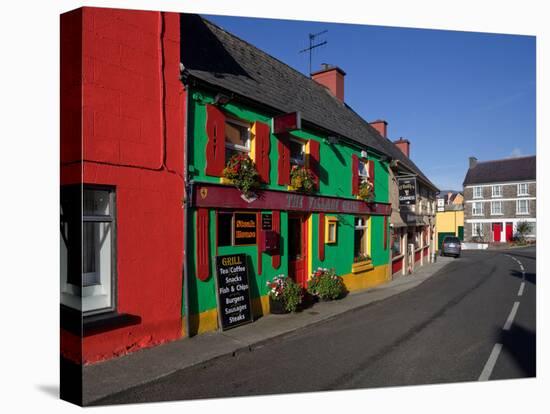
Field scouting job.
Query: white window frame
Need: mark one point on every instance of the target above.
(474, 232)
(475, 190)
(363, 225)
(496, 193)
(296, 161)
(518, 210)
(363, 174)
(475, 211)
(99, 298)
(236, 147)
(523, 193)
(494, 211)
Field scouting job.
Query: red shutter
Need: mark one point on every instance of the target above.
(203, 244)
(354, 174)
(371, 172)
(283, 165)
(276, 227)
(215, 146)
(260, 240)
(261, 150)
(385, 232)
(314, 161)
(321, 233)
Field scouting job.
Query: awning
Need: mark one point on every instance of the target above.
(397, 220)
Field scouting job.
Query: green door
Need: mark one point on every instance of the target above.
(461, 232)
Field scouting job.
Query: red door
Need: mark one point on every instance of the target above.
(297, 248)
(509, 231)
(497, 227)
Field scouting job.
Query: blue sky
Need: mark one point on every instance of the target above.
(452, 94)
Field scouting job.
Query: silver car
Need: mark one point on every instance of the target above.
(451, 246)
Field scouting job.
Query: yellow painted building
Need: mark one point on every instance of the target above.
(449, 223)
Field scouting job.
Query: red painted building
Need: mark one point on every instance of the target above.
(122, 129)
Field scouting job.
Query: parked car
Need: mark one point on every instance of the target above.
(451, 246)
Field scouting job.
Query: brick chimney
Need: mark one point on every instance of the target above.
(472, 161)
(381, 126)
(404, 145)
(332, 77)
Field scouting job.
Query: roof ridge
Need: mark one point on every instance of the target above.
(258, 49)
(507, 159)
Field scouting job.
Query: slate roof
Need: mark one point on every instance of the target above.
(497, 171)
(219, 58)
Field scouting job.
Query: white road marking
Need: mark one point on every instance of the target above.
(511, 317)
(520, 291)
(490, 364)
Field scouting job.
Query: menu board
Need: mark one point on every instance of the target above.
(233, 291)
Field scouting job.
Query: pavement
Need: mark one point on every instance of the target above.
(115, 376)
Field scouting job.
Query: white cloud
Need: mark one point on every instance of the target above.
(516, 152)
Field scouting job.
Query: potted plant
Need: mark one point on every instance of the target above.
(302, 179)
(366, 191)
(285, 295)
(242, 172)
(326, 284)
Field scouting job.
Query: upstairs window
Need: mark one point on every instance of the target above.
(478, 192)
(522, 207)
(363, 170)
(237, 138)
(496, 208)
(477, 209)
(297, 152)
(497, 191)
(523, 189)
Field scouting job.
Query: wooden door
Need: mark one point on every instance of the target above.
(297, 248)
(509, 231)
(497, 227)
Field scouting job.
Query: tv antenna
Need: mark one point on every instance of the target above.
(313, 45)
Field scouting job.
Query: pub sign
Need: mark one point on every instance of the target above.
(407, 190)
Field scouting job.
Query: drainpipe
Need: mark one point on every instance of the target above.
(186, 205)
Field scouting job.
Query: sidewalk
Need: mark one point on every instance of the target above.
(113, 376)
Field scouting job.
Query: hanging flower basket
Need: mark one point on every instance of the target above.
(242, 173)
(366, 191)
(302, 179)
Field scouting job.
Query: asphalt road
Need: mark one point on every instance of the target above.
(474, 320)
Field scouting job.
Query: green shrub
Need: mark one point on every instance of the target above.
(326, 284)
(283, 288)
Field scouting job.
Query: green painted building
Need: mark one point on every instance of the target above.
(241, 101)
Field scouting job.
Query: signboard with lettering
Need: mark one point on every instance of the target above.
(267, 221)
(213, 195)
(245, 229)
(233, 291)
(407, 190)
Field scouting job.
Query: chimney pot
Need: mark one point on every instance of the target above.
(404, 145)
(331, 77)
(473, 162)
(381, 126)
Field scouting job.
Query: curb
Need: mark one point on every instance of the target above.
(243, 347)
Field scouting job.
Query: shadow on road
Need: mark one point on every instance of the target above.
(529, 277)
(520, 343)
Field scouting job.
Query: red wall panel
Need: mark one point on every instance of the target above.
(131, 138)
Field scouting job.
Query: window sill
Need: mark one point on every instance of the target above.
(398, 257)
(362, 266)
(226, 181)
(73, 321)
